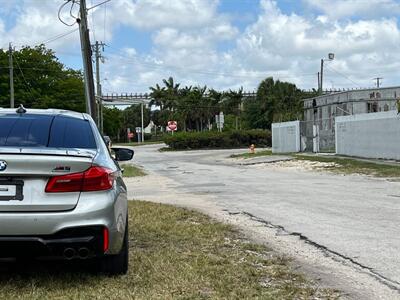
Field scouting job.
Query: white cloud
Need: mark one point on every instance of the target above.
(279, 43)
(337, 9)
(195, 42)
(153, 14)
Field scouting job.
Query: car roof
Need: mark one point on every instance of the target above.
(49, 111)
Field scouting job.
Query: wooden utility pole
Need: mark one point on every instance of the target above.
(378, 81)
(98, 57)
(87, 61)
(11, 66)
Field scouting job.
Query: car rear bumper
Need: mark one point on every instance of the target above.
(43, 230)
(82, 242)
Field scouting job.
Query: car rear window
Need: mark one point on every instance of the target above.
(32, 130)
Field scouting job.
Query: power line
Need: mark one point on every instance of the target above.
(70, 12)
(92, 21)
(160, 67)
(23, 76)
(105, 19)
(343, 75)
(57, 37)
(104, 2)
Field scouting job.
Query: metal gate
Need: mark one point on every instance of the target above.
(318, 135)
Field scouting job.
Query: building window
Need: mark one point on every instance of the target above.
(386, 107)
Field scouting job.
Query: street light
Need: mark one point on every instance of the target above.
(331, 57)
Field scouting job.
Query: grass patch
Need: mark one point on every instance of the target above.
(132, 171)
(175, 254)
(353, 166)
(251, 155)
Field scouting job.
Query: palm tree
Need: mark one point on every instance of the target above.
(182, 105)
(158, 95)
(233, 104)
(172, 92)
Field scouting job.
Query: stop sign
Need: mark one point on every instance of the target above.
(172, 125)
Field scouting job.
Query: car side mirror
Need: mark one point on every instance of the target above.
(123, 154)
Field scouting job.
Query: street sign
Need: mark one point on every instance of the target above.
(130, 135)
(172, 126)
(220, 119)
(138, 129)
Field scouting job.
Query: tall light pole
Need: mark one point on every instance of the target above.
(331, 56)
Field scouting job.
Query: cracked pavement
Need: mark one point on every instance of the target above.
(355, 218)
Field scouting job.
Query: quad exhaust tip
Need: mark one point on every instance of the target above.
(69, 253)
(83, 253)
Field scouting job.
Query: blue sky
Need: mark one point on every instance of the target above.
(224, 44)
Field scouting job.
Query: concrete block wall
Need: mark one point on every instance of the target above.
(374, 135)
(286, 137)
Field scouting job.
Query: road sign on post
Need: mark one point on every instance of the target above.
(138, 131)
(220, 119)
(128, 134)
(172, 126)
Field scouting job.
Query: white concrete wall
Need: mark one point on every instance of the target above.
(373, 135)
(286, 137)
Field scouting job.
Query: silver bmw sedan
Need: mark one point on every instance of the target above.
(61, 191)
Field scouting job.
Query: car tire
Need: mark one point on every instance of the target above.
(117, 264)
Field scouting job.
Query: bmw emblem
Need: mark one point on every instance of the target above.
(3, 165)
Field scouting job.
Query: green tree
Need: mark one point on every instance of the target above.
(276, 101)
(133, 118)
(41, 81)
(113, 123)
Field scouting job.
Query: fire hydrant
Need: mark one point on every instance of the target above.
(252, 149)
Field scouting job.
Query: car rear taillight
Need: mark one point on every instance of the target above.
(106, 239)
(93, 179)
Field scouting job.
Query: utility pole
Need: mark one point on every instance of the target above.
(331, 56)
(10, 60)
(98, 57)
(142, 123)
(87, 61)
(378, 81)
(321, 74)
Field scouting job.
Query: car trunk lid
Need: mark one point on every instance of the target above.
(24, 179)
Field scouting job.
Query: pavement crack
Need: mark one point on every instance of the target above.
(281, 231)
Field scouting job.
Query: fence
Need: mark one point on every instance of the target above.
(375, 135)
(286, 137)
(300, 136)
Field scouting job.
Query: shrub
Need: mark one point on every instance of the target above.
(217, 140)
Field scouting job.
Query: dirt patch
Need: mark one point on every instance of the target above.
(300, 165)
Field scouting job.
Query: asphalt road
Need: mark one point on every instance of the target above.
(354, 216)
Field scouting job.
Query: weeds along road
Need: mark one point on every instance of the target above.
(355, 218)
